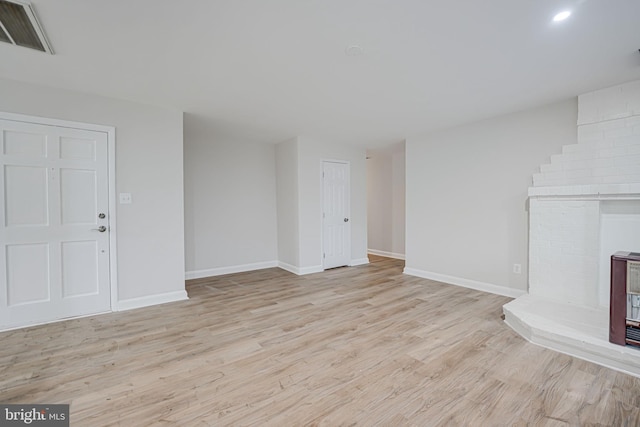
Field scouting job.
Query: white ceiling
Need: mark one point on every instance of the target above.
(278, 68)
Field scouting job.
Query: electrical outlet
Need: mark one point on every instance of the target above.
(125, 199)
(517, 268)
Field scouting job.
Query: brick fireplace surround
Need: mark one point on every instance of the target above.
(584, 206)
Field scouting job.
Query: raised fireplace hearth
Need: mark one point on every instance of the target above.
(584, 206)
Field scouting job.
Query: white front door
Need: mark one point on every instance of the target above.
(336, 233)
(54, 223)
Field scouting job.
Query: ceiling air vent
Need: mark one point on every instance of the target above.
(19, 26)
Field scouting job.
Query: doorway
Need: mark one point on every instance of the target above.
(56, 222)
(336, 222)
(386, 217)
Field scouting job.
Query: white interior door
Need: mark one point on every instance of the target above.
(54, 223)
(336, 226)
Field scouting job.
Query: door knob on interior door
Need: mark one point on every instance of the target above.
(101, 229)
(346, 220)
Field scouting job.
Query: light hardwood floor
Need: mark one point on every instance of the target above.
(363, 346)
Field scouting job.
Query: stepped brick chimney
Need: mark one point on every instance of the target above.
(585, 203)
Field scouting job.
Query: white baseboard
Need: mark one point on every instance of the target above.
(300, 271)
(310, 270)
(385, 254)
(360, 261)
(11, 327)
(198, 274)
(146, 301)
(467, 283)
(288, 267)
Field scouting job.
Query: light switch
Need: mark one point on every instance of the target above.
(125, 199)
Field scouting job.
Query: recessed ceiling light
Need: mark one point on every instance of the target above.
(353, 50)
(562, 16)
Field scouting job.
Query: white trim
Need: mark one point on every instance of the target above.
(466, 283)
(31, 13)
(11, 327)
(300, 271)
(385, 254)
(111, 170)
(359, 261)
(588, 191)
(54, 122)
(310, 270)
(198, 274)
(288, 267)
(113, 208)
(150, 300)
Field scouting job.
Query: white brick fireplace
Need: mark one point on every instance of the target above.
(584, 206)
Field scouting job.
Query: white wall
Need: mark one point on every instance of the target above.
(299, 177)
(230, 201)
(467, 193)
(386, 201)
(150, 232)
(287, 202)
(311, 154)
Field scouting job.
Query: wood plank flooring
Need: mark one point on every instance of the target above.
(362, 346)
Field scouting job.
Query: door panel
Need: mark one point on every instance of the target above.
(27, 274)
(17, 143)
(54, 261)
(79, 281)
(78, 196)
(336, 216)
(77, 148)
(26, 196)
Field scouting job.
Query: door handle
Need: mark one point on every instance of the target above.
(346, 220)
(101, 229)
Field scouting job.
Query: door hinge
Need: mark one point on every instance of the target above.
(324, 255)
